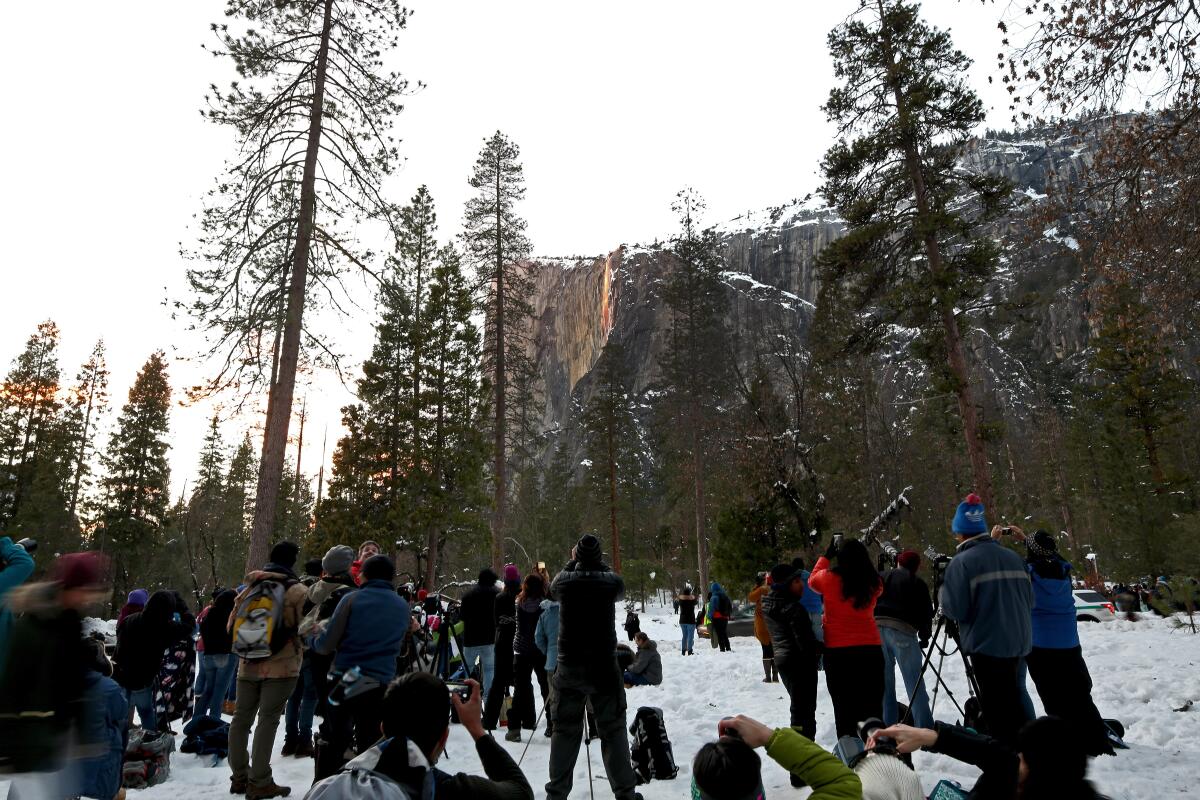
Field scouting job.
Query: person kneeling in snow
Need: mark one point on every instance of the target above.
(415, 728)
(646, 669)
(729, 769)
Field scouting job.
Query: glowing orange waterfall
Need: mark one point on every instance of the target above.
(605, 289)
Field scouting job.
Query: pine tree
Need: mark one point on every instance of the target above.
(914, 254)
(494, 237)
(206, 509)
(313, 109)
(137, 475)
(237, 514)
(29, 407)
(609, 430)
(88, 403)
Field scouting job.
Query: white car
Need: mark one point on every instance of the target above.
(1092, 606)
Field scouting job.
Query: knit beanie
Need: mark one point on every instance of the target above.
(337, 560)
(969, 519)
(284, 554)
(138, 597)
(1042, 545)
(910, 560)
(511, 573)
(79, 570)
(588, 549)
(886, 777)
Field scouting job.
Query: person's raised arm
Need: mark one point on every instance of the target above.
(19, 565)
(504, 780)
(828, 777)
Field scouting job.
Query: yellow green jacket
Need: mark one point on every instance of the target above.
(828, 777)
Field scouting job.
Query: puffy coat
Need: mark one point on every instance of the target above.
(687, 609)
(987, 591)
(545, 636)
(367, 631)
(587, 629)
(760, 625)
(845, 625)
(478, 614)
(1054, 624)
(719, 604)
(789, 626)
(648, 662)
(286, 662)
(824, 773)
(143, 640)
(102, 731)
(528, 611)
(906, 598)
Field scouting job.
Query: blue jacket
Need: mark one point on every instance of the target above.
(811, 599)
(20, 567)
(367, 630)
(102, 731)
(545, 636)
(988, 593)
(1054, 625)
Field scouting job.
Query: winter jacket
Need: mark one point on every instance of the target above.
(906, 600)
(214, 630)
(648, 662)
(986, 590)
(43, 679)
(827, 776)
(845, 625)
(142, 642)
(504, 617)
(102, 734)
(687, 609)
(285, 663)
(587, 634)
(760, 625)
(127, 610)
(367, 630)
(528, 612)
(811, 599)
(478, 615)
(545, 636)
(19, 568)
(719, 604)
(322, 600)
(1054, 624)
(789, 626)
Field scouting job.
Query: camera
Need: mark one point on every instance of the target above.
(837, 540)
(727, 730)
(463, 690)
(885, 745)
(1006, 530)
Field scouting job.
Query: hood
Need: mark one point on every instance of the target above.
(649, 645)
(530, 604)
(715, 588)
(548, 604)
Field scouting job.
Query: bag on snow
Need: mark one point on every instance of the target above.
(259, 621)
(651, 753)
(147, 759)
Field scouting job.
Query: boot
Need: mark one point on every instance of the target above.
(228, 707)
(774, 672)
(289, 748)
(237, 784)
(268, 791)
(513, 735)
(767, 670)
(304, 749)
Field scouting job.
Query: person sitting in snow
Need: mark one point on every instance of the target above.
(646, 669)
(416, 723)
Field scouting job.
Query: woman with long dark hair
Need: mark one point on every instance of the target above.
(142, 643)
(853, 651)
(527, 658)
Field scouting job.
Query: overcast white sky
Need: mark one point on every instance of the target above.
(615, 107)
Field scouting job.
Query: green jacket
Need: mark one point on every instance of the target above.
(828, 777)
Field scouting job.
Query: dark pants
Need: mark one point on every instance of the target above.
(720, 632)
(301, 706)
(500, 683)
(353, 723)
(318, 670)
(854, 676)
(768, 651)
(1000, 696)
(574, 688)
(525, 666)
(799, 676)
(1065, 686)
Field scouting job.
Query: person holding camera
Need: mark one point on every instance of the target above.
(364, 635)
(793, 644)
(729, 769)
(528, 660)
(853, 651)
(16, 565)
(415, 725)
(588, 672)
(987, 592)
(904, 616)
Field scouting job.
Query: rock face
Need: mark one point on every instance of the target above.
(771, 276)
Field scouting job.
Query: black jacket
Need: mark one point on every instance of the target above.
(790, 627)
(478, 608)
(528, 612)
(213, 628)
(142, 641)
(504, 617)
(906, 598)
(587, 632)
(687, 609)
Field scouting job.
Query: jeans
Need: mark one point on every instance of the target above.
(636, 679)
(264, 699)
(689, 636)
(1023, 681)
(600, 687)
(216, 672)
(902, 648)
(486, 654)
(298, 718)
(143, 701)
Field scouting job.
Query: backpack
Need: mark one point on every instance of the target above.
(147, 759)
(651, 753)
(258, 623)
(358, 781)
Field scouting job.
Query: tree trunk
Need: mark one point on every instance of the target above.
(279, 403)
(500, 494)
(612, 490)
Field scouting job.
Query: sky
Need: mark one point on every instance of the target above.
(615, 106)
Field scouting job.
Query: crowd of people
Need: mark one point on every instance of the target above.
(340, 643)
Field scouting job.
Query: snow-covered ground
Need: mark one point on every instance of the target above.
(1141, 670)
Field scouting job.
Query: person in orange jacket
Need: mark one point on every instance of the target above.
(761, 587)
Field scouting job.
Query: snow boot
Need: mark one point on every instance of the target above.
(237, 784)
(272, 789)
(767, 663)
(305, 749)
(513, 735)
(774, 672)
(289, 748)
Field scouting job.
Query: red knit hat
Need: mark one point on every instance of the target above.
(910, 560)
(78, 570)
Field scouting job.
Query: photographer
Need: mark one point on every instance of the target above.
(904, 615)
(987, 592)
(16, 565)
(793, 643)
(415, 727)
(1048, 762)
(729, 769)
(364, 634)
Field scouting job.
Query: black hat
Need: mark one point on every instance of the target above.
(284, 554)
(588, 549)
(378, 568)
(785, 573)
(1043, 545)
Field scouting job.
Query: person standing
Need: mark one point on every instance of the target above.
(761, 587)
(1056, 659)
(987, 592)
(528, 660)
(545, 636)
(720, 608)
(504, 617)
(173, 690)
(687, 619)
(904, 616)
(587, 591)
(218, 664)
(853, 653)
(479, 627)
(135, 601)
(320, 603)
(264, 685)
(142, 641)
(794, 646)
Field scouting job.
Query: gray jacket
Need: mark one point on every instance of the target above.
(648, 662)
(988, 593)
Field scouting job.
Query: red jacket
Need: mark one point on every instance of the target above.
(845, 625)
